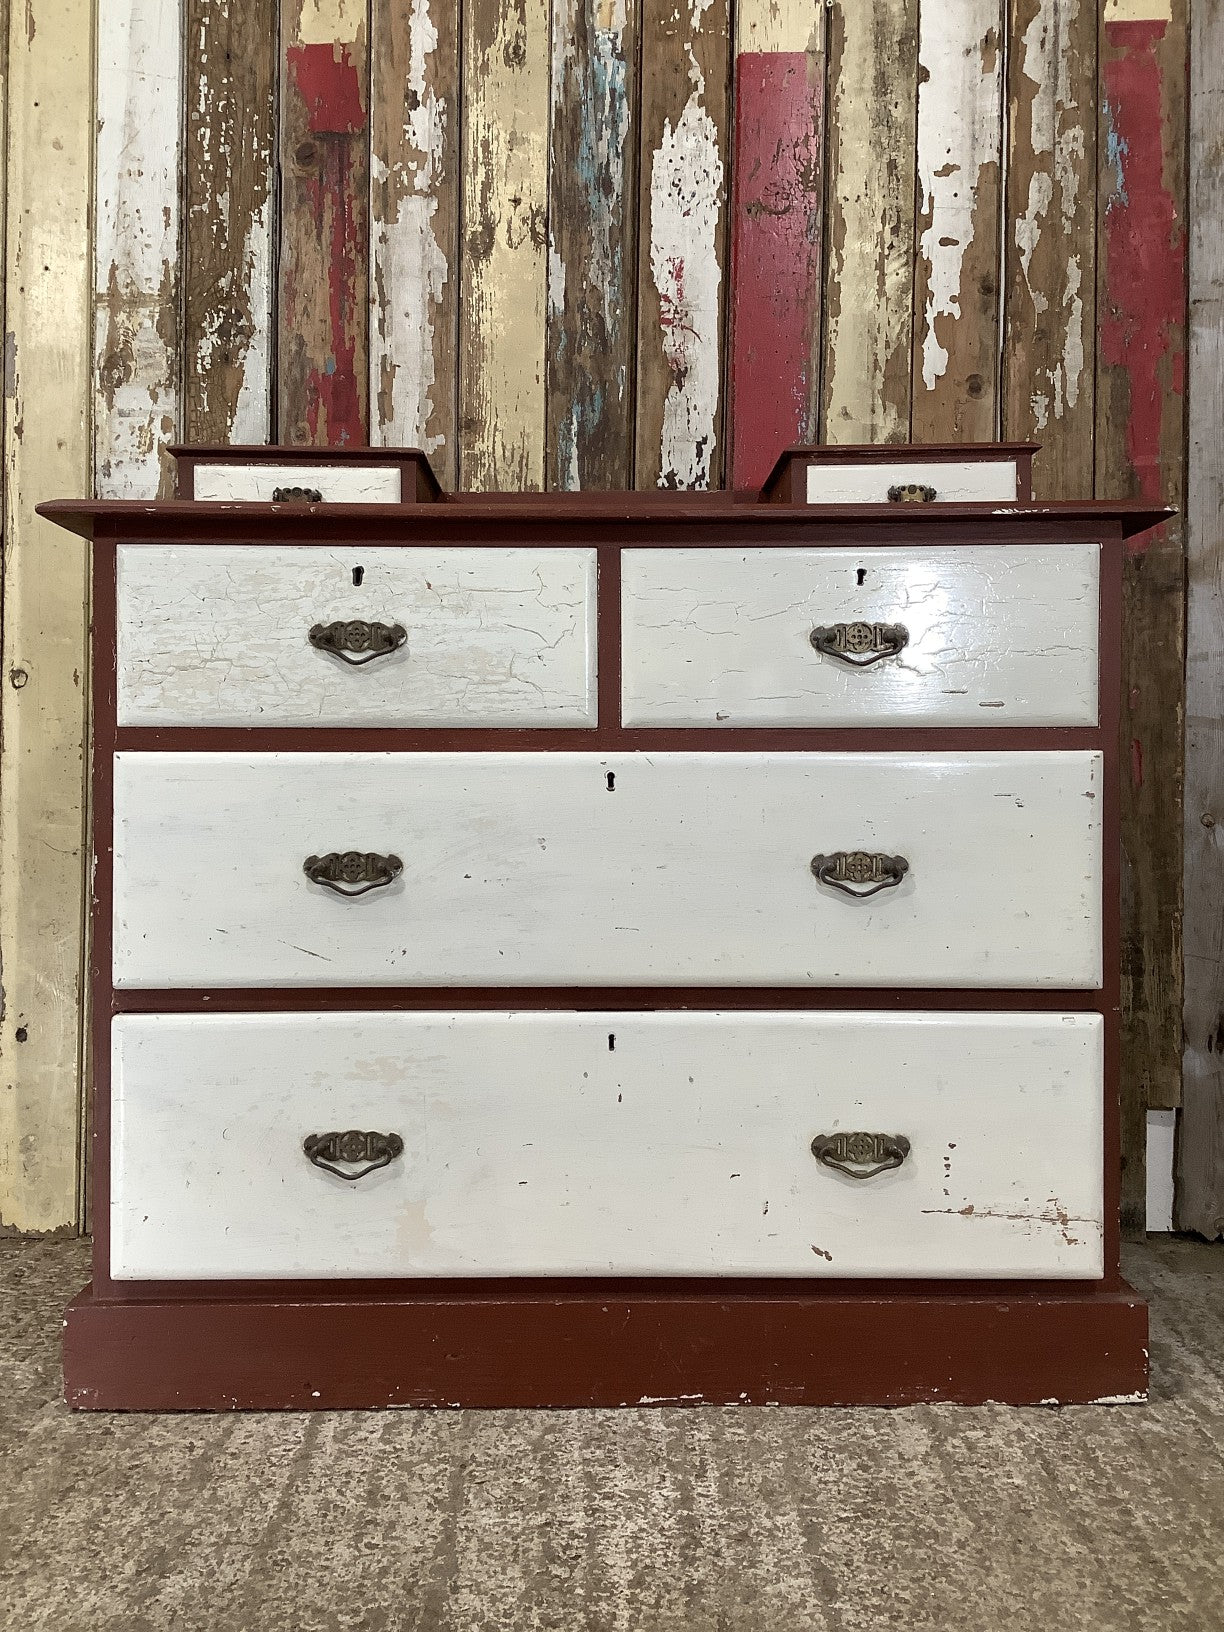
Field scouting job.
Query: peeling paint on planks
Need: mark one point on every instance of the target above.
(414, 162)
(231, 67)
(777, 230)
(136, 274)
(1051, 266)
(687, 197)
(323, 310)
(1142, 325)
(505, 237)
(591, 245)
(959, 175)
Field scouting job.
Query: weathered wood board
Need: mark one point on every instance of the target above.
(1140, 431)
(957, 305)
(47, 386)
(1200, 1204)
(1049, 249)
(137, 265)
(682, 255)
(592, 245)
(322, 313)
(869, 291)
(777, 233)
(230, 50)
(504, 268)
(414, 249)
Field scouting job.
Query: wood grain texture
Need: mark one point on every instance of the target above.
(957, 309)
(137, 270)
(1049, 250)
(230, 49)
(47, 387)
(505, 239)
(869, 293)
(414, 258)
(322, 311)
(592, 244)
(1140, 431)
(777, 234)
(682, 256)
(1200, 1174)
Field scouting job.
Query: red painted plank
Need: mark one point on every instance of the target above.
(777, 217)
(324, 273)
(1142, 324)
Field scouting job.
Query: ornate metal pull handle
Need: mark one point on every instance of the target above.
(296, 495)
(352, 872)
(861, 1155)
(373, 1149)
(860, 644)
(859, 873)
(911, 493)
(371, 639)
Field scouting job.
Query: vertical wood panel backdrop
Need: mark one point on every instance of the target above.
(593, 243)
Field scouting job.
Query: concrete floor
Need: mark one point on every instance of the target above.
(933, 1519)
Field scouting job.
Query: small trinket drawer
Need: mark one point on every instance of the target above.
(577, 949)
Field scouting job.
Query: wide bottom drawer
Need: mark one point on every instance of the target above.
(607, 1144)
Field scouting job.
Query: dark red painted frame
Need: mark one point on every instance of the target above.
(145, 1344)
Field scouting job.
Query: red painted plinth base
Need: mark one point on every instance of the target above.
(579, 1349)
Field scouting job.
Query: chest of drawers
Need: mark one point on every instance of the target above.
(599, 949)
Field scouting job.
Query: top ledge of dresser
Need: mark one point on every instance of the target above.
(508, 514)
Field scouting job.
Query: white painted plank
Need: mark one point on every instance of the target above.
(219, 635)
(607, 1144)
(563, 868)
(981, 481)
(998, 634)
(339, 484)
(136, 250)
(1161, 1145)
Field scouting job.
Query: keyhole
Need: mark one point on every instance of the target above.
(862, 574)
(359, 574)
(611, 781)
(611, 1042)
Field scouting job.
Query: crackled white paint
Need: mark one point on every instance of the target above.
(409, 260)
(959, 113)
(956, 481)
(686, 195)
(257, 479)
(998, 635)
(219, 636)
(607, 1144)
(136, 252)
(1057, 137)
(526, 869)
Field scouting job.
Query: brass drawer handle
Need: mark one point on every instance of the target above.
(296, 495)
(911, 493)
(860, 644)
(352, 872)
(375, 1150)
(861, 1155)
(859, 873)
(371, 639)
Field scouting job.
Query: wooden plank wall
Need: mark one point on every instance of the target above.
(604, 243)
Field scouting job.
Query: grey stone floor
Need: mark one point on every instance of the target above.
(933, 1519)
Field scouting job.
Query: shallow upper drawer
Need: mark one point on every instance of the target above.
(335, 484)
(606, 1144)
(562, 869)
(222, 635)
(982, 635)
(954, 481)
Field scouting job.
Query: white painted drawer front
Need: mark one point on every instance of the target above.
(968, 481)
(997, 635)
(339, 484)
(218, 635)
(532, 1147)
(526, 869)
